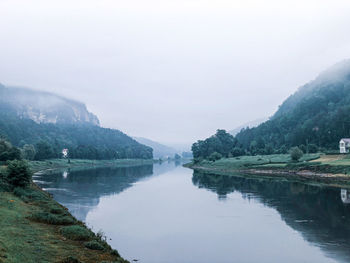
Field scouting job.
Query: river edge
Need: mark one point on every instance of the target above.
(23, 239)
(338, 180)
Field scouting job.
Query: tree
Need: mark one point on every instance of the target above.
(18, 173)
(43, 151)
(237, 152)
(222, 143)
(8, 152)
(177, 157)
(313, 148)
(296, 153)
(215, 156)
(28, 152)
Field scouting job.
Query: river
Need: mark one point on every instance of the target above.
(165, 213)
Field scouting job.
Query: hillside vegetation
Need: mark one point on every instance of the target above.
(313, 118)
(318, 113)
(43, 124)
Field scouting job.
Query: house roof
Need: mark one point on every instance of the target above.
(347, 140)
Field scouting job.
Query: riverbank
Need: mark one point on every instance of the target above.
(37, 166)
(35, 228)
(326, 169)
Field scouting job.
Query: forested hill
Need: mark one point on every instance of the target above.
(44, 107)
(317, 115)
(44, 128)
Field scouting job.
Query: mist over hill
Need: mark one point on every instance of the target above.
(44, 107)
(50, 123)
(317, 113)
(159, 150)
(250, 124)
(315, 117)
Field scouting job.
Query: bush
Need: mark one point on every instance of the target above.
(58, 211)
(18, 173)
(296, 153)
(94, 245)
(70, 260)
(215, 156)
(76, 232)
(52, 219)
(27, 194)
(115, 253)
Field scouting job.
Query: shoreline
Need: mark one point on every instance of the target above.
(339, 180)
(44, 230)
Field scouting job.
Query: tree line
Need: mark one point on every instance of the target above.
(45, 141)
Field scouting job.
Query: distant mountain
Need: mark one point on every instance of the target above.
(159, 150)
(44, 107)
(250, 124)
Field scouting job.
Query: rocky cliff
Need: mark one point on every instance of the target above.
(44, 107)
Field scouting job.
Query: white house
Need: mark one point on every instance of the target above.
(65, 153)
(344, 145)
(345, 196)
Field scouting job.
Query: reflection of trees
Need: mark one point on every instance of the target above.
(80, 191)
(316, 212)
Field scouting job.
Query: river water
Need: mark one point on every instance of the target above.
(169, 214)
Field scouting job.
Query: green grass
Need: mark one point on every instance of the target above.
(35, 228)
(244, 162)
(84, 164)
(24, 238)
(31, 230)
(316, 163)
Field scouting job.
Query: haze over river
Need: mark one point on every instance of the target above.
(165, 213)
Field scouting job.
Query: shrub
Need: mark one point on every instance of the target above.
(115, 253)
(18, 173)
(28, 194)
(76, 232)
(296, 153)
(52, 219)
(94, 245)
(58, 211)
(303, 148)
(70, 260)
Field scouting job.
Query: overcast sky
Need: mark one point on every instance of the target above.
(172, 71)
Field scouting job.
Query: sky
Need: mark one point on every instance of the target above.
(172, 71)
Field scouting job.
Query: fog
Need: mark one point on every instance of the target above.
(172, 71)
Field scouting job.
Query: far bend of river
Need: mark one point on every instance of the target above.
(170, 214)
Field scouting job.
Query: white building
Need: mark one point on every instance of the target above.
(344, 145)
(65, 153)
(345, 196)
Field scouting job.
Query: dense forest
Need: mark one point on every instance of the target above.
(83, 141)
(314, 118)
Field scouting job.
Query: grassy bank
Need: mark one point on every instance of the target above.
(330, 169)
(35, 228)
(84, 164)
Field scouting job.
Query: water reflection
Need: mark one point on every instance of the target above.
(80, 191)
(320, 214)
(345, 196)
